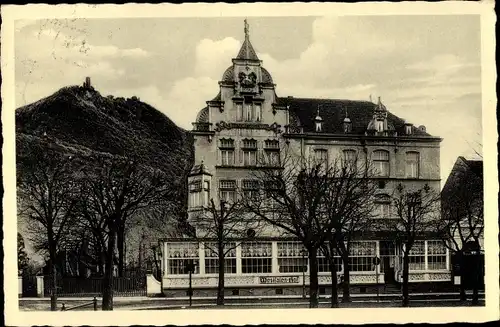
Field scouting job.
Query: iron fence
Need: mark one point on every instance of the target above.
(93, 286)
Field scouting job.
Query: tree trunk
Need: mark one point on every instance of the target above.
(461, 264)
(475, 279)
(53, 294)
(346, 285)
(406, 270)
(335, 295)
(220, 285)
(53, 271)
(313, 278)
(120, 238)
(107, 292)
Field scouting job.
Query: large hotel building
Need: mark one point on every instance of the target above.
(247, 119)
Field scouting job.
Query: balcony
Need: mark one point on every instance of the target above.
(202, 127)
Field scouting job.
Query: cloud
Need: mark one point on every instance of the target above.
(213, 57)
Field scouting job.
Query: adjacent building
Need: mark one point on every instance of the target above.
(246, 120)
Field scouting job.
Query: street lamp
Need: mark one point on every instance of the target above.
(304, 267)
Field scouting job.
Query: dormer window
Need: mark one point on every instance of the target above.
(379, 125)
(319, 122)
(408, 128)
(347, 125)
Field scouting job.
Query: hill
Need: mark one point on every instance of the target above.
(79, 120)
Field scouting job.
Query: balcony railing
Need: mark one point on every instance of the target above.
(202, 127)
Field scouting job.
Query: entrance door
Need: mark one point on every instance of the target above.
(388, 270)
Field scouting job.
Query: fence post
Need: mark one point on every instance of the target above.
(39, 286)
(95, 303)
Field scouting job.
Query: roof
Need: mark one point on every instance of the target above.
(475, 166)
(247, 51)
(461, 173)
(200, 169)
(303, 112)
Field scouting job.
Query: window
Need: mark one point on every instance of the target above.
(258, 112)
(381, 162)
(227, 190)
(249, 152)
(318, 126)
(195, 195)
(272, 194)
(179, 255)
(227, 152)
(292, 257)
(212, 258)
(321, 157)
(272, 154)
(379, 125)
(436, 255)
(248, 112)
(361, 256)
(412, 164)
(349, 157)
(250, 189)
(239, 112)
(256, 257)
(324, 263)
(383, 206)
(417, 256)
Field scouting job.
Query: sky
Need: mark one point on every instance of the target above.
(426, 69)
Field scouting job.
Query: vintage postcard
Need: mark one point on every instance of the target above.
(250, 163)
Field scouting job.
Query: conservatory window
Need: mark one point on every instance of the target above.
(361, 256)
(436, 255)
(179, 255)
(292, 257)
(417, 256)
(212, 258)
(256, 257)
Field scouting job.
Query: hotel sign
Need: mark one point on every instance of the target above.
(279, 280)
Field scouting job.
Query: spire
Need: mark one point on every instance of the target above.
(247, 52)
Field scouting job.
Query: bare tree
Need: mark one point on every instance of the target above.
(222, 227)
(115, 190)
(349, 208)
(462, 215)
(47, 197)
(416, 213)
(307, 198)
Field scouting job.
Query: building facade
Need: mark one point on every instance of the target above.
(247, 120)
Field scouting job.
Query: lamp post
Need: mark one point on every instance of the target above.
(304, 267)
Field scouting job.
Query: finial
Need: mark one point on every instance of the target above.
(247, 29)
(371, 98)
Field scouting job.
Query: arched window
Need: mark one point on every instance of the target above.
(381, 162)
(412, 164)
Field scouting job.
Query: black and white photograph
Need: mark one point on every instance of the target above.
(250, 163)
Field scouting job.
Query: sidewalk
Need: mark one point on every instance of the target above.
(161, 303)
